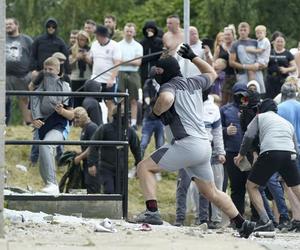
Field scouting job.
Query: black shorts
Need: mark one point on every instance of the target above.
(270, 162)
(113, 89)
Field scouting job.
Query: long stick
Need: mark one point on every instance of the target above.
(113, 67)
(122, 63)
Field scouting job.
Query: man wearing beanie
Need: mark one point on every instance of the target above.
(104, 54)
(180, 107)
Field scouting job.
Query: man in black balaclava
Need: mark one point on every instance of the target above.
(180, 102)
(166, 68)
(277, 154)
(46, 45)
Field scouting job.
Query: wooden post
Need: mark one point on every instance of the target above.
(2, 110)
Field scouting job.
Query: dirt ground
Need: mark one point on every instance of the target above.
(68, 232)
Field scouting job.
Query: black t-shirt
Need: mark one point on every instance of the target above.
(87, 133)
(224, 54)
(279, 60)
(55, 121)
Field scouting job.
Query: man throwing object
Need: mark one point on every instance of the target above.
(180, 107)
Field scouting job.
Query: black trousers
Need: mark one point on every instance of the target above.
(238, 181)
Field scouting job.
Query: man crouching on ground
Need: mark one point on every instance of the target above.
(180, 107)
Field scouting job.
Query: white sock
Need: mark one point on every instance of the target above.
(133, 122)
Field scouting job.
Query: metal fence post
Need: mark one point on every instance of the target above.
(2, 110)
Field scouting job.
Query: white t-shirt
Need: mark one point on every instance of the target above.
(263, 58)
(103, 59)
(129, 51)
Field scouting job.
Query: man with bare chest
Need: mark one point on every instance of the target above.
(174, 36)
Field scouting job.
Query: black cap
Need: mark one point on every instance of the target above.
(102, 31)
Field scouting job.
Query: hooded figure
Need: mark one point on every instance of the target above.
(239, 94)
(151, 43)
(46, 45)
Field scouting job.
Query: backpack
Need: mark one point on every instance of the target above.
(73, 178)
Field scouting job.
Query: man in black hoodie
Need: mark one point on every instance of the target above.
(103, 160)
(151, 43)
(46, 45)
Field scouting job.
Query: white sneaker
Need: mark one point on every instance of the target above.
(158, 176)
(132, 173)
(51, 188)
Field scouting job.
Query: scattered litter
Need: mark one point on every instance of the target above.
(265, 234)
(190, 232)
(105, 226)
(21, 167)
(143, 227)
(66, 219)
(203, 227)
(24, 216)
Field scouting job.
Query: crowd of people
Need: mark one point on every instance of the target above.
(222, 112)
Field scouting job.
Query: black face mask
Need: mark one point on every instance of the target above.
(171, 69)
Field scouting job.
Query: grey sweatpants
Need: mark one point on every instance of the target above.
(191, 153)
(47, 157)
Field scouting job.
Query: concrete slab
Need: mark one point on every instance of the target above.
(3, 244)
(89, 207)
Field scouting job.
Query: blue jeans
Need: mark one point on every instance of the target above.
(151, 126)
(278, 195)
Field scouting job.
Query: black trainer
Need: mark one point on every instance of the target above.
(264, 227)
(295, 226)
(246, 229)
(149, 217)
(178, 223)
(283, 223)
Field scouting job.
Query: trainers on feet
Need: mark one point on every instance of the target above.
(178, 223)
(295, 226)
(149, 217)
(283, 223)
(51, 188)
(214, 225)
(264, 227)
(246, 229)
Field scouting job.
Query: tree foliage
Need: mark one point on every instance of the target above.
(210, 16)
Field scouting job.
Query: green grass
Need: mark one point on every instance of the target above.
(166, 189)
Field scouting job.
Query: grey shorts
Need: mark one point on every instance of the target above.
(191, 153)
(18, 83)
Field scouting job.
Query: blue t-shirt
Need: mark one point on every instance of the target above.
(290, 110)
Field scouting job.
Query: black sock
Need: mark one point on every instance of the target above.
(151, 205)
(238, 221)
